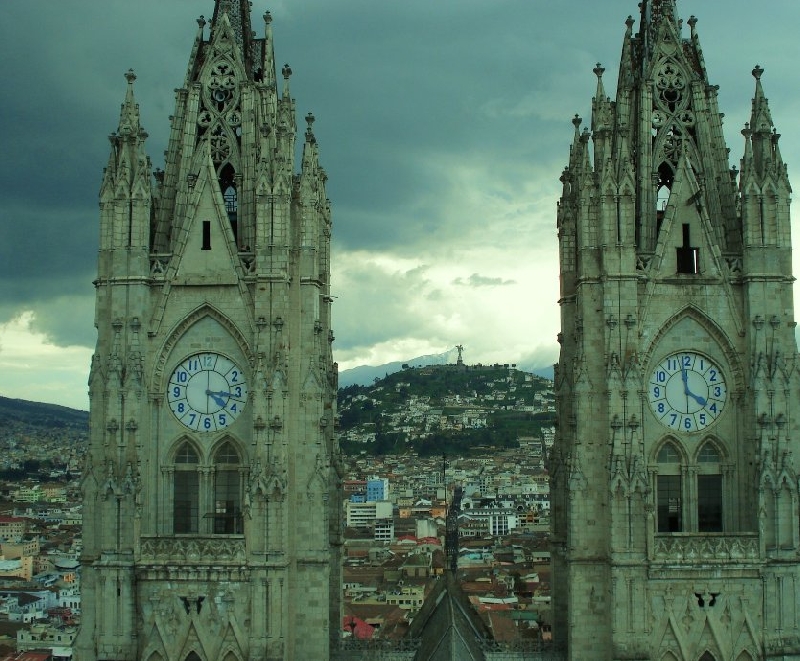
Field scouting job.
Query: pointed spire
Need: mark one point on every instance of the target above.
(268, 65)
(129, 114)
(760, 118)
(238, 13)
(761, 147)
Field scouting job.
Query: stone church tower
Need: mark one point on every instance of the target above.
(211, 513)
(674, 475)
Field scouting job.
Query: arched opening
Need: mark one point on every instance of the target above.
(227, 184)
(666, 176)
(185, 491)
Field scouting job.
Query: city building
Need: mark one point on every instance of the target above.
(674, 477)
(212, 512)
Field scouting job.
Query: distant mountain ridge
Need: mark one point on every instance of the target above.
(364, 375)
(40, 414)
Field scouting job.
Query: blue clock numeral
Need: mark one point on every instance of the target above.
(713, 408)
(207, 423)
(687, 361)
(183, 377)
(703, 419)
(717, 391)
(660, 407)
(222, 420)
(672, 418)
(233, 408)
(235, 376)
(687, 423)
(713, 376)
(176, 392)
(181, 407)
(192, 417)
(661, 376)
(657, 392)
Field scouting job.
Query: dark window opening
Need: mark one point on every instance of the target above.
(185, 503)
(206, 235)
(227, 184)
(663, 189)
(186, 490)
(688, 256)
(227, 514)
(669, 503)
(709, 503)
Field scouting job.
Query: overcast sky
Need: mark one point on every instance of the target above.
(443, 124)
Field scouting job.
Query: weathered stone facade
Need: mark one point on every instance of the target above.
(674, 483)
(211, 494)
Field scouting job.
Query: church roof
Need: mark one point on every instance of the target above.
(448, 627)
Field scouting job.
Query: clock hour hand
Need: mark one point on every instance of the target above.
(216, 396)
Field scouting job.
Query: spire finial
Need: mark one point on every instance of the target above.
(201, 22)
(130, 76)
(599, 70)
(757, 72)
(286, 71)
(267, 17)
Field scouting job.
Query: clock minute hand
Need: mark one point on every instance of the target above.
(685, 377)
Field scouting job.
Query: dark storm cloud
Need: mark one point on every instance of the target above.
(421, 106)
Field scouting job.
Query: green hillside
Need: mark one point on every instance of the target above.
(453, 409)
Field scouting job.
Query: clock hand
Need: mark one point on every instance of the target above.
(700, 400)
(215, 396)
(685, 376)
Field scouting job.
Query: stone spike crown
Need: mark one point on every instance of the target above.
(673, 478)
(211, 512)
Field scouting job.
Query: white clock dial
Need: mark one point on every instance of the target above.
(207, 392)
(687, 391)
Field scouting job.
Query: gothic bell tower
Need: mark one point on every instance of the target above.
(674, 476)
(211, 519)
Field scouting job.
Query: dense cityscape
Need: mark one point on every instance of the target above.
(403, 469)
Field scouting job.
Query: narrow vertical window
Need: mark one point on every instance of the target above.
(186, 489)
(227, 514)
(709, 490)
(688, 256)
(669, 490)
(206, 235)
(669, 503)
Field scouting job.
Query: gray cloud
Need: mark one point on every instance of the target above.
(477, 280)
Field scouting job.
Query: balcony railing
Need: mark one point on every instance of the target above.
(177, 550)
(709, 547)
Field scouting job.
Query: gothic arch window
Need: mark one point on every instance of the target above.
(227, 514)
(185, 490)
(669, 489)
(193, 656)
(709, 489)
(227, 184)
(708, 656)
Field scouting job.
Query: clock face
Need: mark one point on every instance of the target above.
(207, 392)
(687, 391)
